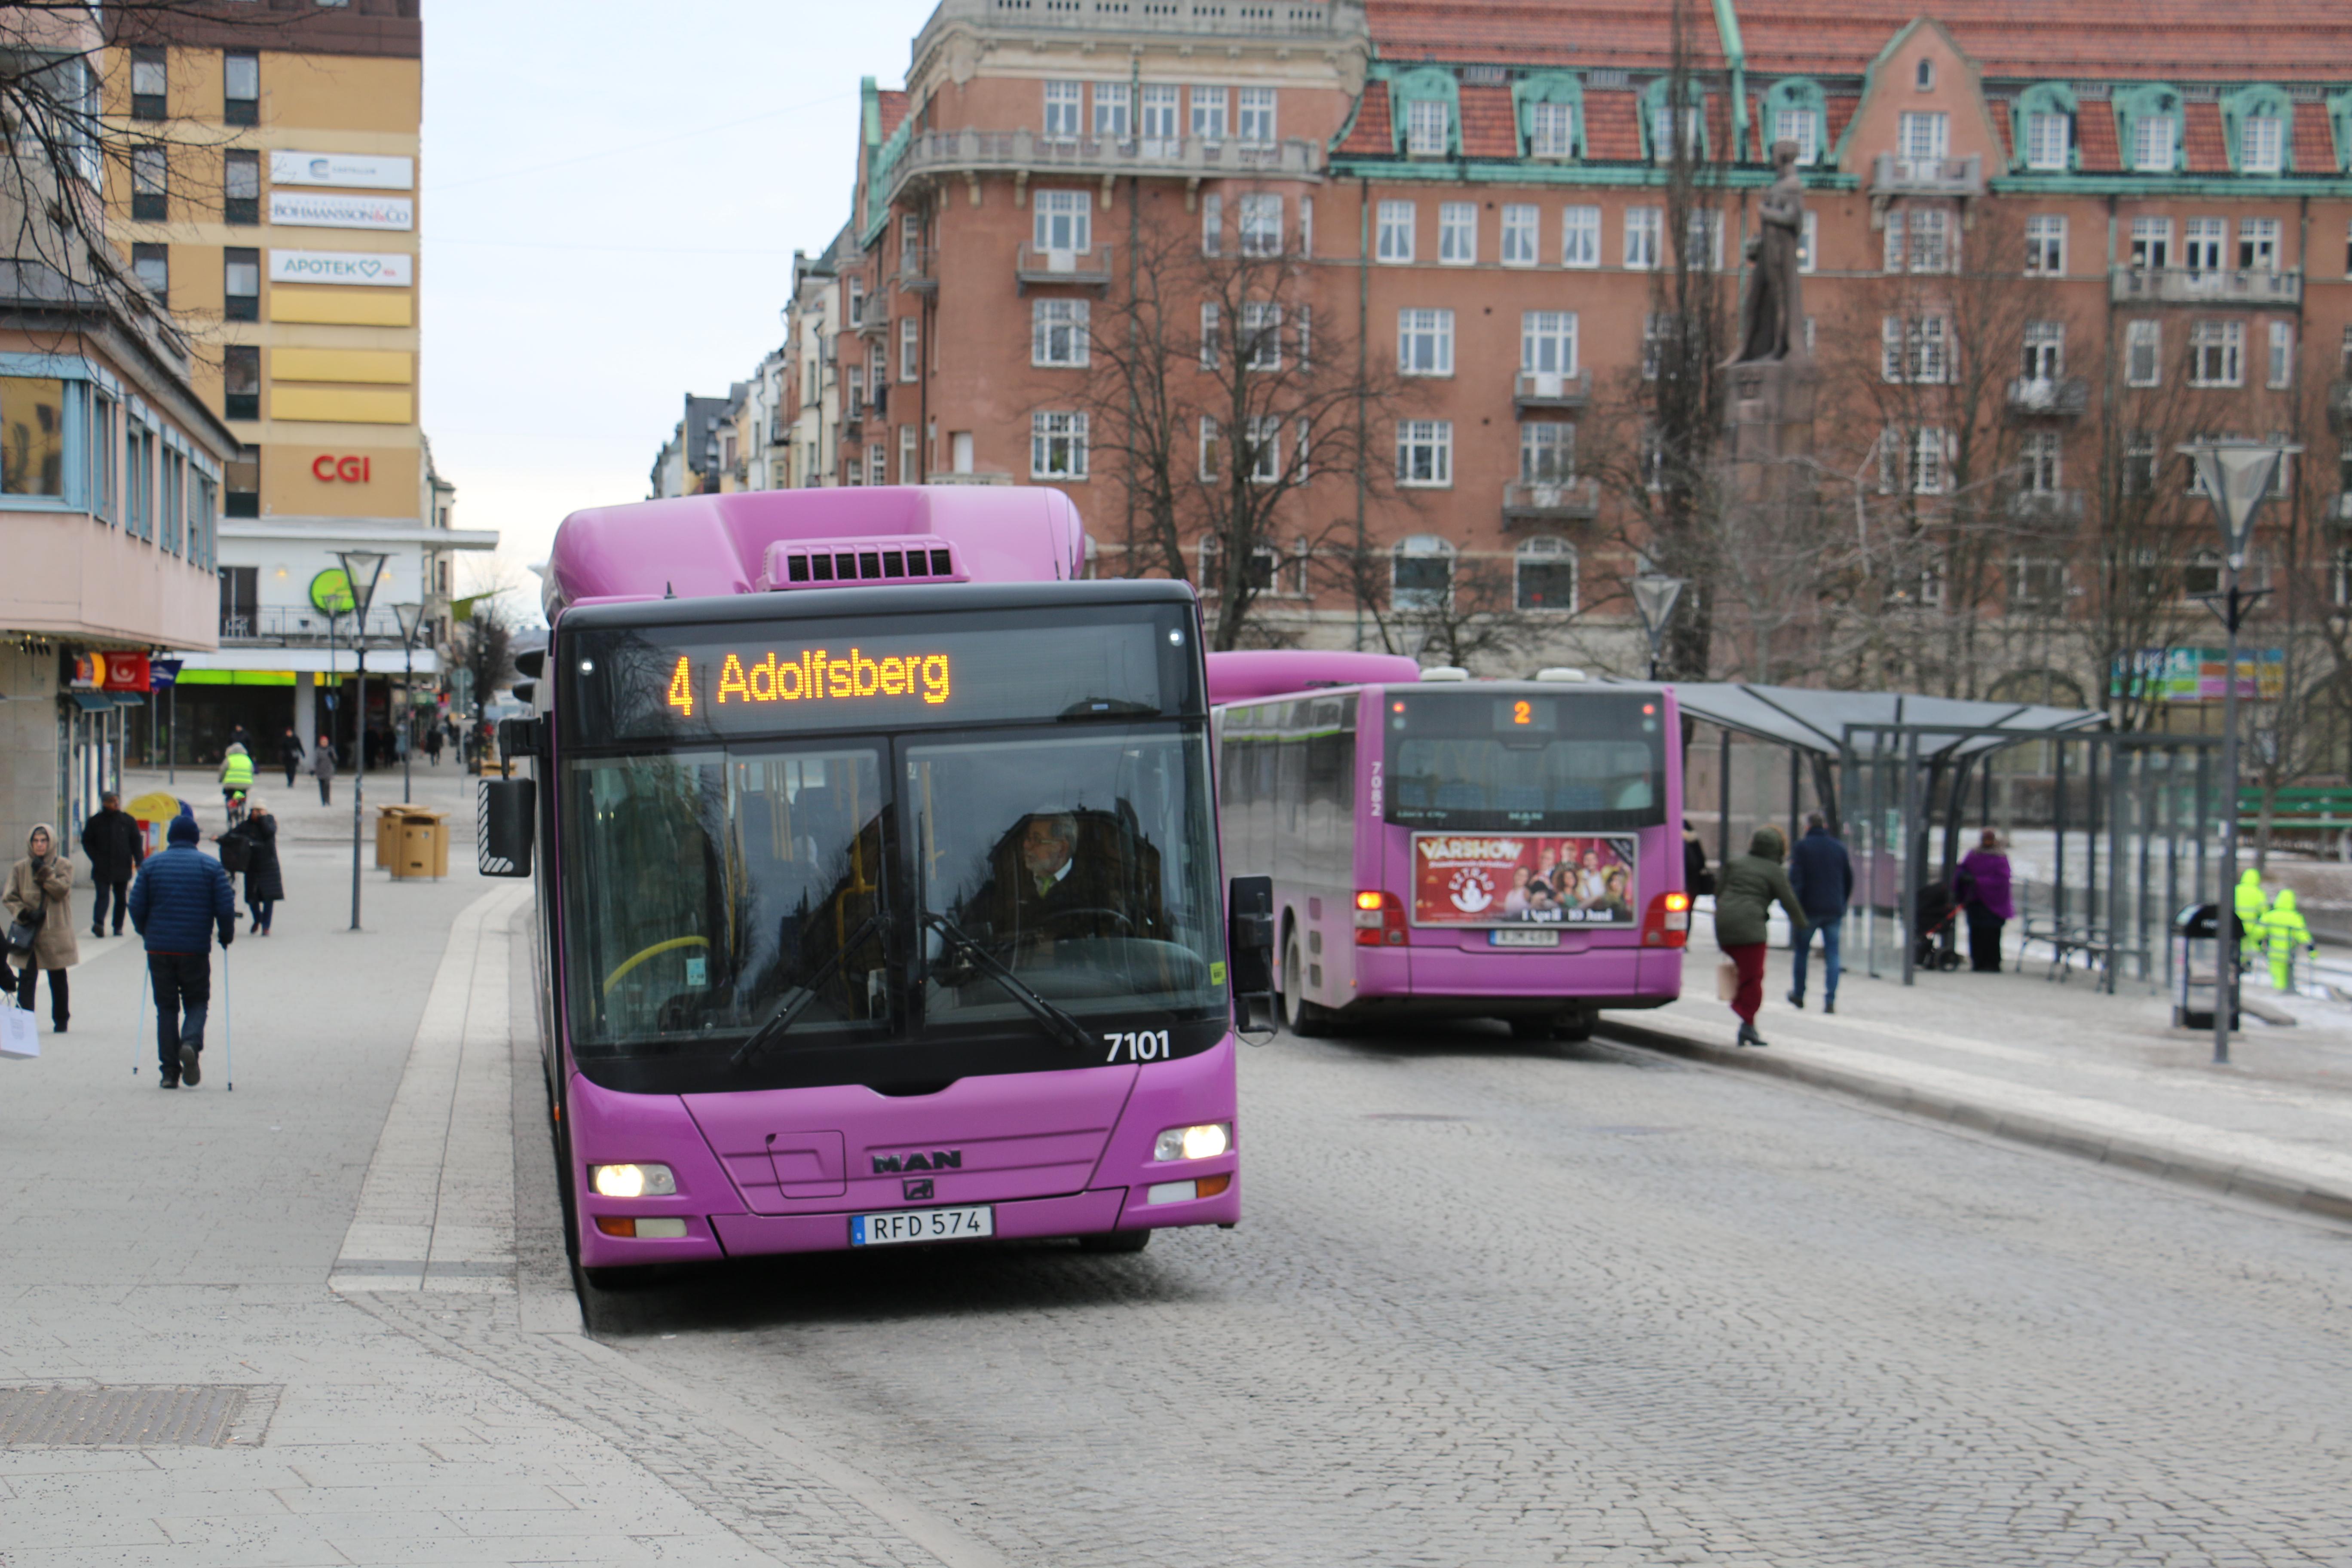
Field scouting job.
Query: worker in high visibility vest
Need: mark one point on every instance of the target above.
(2284, 930)
(2252, 904)
(235, 778)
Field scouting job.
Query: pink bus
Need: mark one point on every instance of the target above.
(1445, 848)
(879, 900)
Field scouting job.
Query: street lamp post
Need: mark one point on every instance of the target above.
(411, 618)
(1655, 597)
(362, 568)
(2236, 476)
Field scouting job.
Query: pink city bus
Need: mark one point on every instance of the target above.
(1449, 847)
(880, 898)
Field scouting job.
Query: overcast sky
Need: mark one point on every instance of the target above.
(611, 196)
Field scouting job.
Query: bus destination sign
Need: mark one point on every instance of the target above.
(814, 675)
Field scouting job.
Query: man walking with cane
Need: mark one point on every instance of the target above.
(180, 901)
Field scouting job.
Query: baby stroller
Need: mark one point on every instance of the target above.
(1937, 946)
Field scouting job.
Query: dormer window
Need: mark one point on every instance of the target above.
(1662, 133)
(1794, 110)
(2261, 145)
(2155, 145)
(1425, 129)
(2049, 142)
(1551, 129)
(1801, 126)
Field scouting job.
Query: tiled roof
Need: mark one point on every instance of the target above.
(2204, 149)
(1613, 128)
(1487, 128)
(1371, 136)
(1840, 110)
(2315, 141)
(2004, 133)
(1535, 32)
(2094, 139)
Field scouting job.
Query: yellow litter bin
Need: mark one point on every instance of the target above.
(387, 835)
(423, 847)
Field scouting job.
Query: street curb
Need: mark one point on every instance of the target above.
(2284, 1189)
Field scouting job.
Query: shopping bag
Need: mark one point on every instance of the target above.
(235, 852)
(19, 1032)
(1727, 981)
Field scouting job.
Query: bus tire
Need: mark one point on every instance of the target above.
(1299, 1015)
(1575, 1024)
(1530, 1028)
(1115, 1241)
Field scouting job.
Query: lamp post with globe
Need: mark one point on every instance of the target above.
(361, 570)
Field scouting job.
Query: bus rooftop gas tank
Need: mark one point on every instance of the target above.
(1245, 676)
(712, 546)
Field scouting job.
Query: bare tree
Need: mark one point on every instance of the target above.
(1466, 613)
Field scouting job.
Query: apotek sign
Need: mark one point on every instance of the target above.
(329, 469)
(359, 269)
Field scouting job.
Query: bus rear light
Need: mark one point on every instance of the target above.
(1667, 923)
(1379, 919)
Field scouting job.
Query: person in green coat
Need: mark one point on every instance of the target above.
(2282, 930)
(1744, 891)
(2250, 904)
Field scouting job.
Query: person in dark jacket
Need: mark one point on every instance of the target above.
(1744, 896)
(112, 844)
(181, 898)
(322, 768)
(1697, 877)
(290, 754)
(264, 884)
(1822, 873)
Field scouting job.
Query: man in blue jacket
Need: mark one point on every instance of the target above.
(180, 899)
(1824, 877)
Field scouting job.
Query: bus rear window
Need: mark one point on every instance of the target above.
(1512, 759)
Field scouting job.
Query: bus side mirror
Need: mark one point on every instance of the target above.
(1249, 941)
(503, 815)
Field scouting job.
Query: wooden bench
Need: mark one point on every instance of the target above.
(2064, 940)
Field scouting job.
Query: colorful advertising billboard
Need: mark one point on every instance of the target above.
(1482, 879)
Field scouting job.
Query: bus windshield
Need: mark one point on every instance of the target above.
(1505, 757)
(893, 892)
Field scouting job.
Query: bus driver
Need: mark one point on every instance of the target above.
(1054, 891)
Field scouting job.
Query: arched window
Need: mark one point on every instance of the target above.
(1544, 575)
(1420, 573)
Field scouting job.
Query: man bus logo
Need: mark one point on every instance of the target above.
(936, 1160)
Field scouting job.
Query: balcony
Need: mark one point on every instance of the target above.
(279, 625)
(2210, 286)
(2339, 406)
(1561, 500)
(939, 152)
(1551, 390)
(1894, 176)
(1034, 265)
(2050, 507)
(919, 270)
(2047, 397)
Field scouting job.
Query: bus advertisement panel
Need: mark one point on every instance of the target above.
(1482, 879)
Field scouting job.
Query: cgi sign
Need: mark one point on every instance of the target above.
(329, 469)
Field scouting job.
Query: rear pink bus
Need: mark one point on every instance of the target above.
(1508, 850)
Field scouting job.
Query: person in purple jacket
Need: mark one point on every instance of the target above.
(1982, 886)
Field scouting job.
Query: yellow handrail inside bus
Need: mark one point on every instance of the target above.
(656, 950)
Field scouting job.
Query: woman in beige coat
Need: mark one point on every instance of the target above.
(44, 880)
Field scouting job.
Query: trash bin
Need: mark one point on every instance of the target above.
(2197, 959)
(424, 846)
(387, 835)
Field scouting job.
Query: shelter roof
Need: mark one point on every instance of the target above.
(1816, 722)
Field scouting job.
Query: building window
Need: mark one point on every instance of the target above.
(1265, 454)
(2154, 138)
(150, 184)
(1703, 240)
(2049, 142)
(150, 81)
(2258, 244)
(910, 348)
(2201, 251)
(1916, 349)
(2036, 583)
(1260, 345)
(241, 284)
(2201, 577)
(1425, 453)
(1519, 222)
(2143, 354)
(1209, 114)
(1212, 450)
(1057, 446)
(241, 188)
(1427, 127)
(1547, 453)
(1420, 573)
(1396, 232)
(1932, 250)
(911, 454)
(152, 264)
(2261, 145)
(1642, 225)
(1156, 122)
(1662, 133)
(1065, 221)
(241, 380)
(1064, 108)
(1112, 108)
(2038, 462)
(2217, 352)
(1801, 126)
(1457, 233)
(1544, 575)
(1926, 138)
(1923, 75)
(1927, 461)
(240, 88)
(2045, 350)
(2339, 575)
(2151, 243)
(853, 394)
(1261, 225)
(1809, 248)
(2139, 463)
(1579, 237)
(102, 429)
(243, 477)
(2281, 368)
(1213, 346)
(32, 436)
(2045, 246)
(1658, 327)
(1212, 224)
(1548, 342)
(1057, 332)
(1254, 122)
(877, 464)
(1551, 129)
(1425, 342)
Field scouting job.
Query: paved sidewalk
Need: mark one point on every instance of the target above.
(2057, 1065)
(447, 788)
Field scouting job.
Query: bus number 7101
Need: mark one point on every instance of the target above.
(1147, 1046)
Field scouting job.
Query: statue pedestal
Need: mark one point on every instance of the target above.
(1769, 411)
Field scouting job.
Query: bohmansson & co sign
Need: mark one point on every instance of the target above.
(362, 268)
(311, 209)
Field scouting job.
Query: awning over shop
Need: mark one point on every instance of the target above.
(196, 669)
(1816, 722)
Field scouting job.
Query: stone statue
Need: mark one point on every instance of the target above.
(1772, 315)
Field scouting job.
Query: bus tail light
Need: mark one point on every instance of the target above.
(1669, 921)
(1379, 919)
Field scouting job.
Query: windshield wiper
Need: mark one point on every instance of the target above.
(1072, 1033)
(796, 1001)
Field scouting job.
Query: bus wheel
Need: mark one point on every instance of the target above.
(1530, 1028)
(1299, 1015)
(1576, 1024)
(1115, 1241)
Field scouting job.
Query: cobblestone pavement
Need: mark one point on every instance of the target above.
(1495, 1305)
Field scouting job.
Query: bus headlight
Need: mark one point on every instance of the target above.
(1202, 1143)
(631, 1181)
